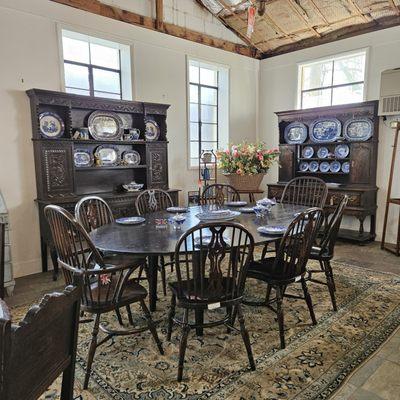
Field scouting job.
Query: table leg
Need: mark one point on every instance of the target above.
(152, 277)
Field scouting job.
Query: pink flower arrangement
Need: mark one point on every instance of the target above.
(247, 159)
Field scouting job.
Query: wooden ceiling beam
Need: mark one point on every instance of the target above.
(394, 7)
(159, 15)
(359, 12)
(319, 12)
(118, 14)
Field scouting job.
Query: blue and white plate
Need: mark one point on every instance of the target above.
(313, 167)
(358, 129)
(214, 217)
(303, 166)
(51, 125)
(335, 166)
(346, 167)
(295, 133)
(324, 166)
(272, 229)
(322, 152)
(177, 209)
(130, 220)
(247, 210)
(308, 152)
(325, 130)
(236, 203)
(342, 151)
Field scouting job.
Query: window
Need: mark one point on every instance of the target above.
(208, 108)
(331, 81)
(96, 67)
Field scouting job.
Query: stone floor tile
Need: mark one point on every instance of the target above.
(362, 394)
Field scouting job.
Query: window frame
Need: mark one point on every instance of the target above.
(332, 58)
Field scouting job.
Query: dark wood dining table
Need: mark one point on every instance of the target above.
(148, 240)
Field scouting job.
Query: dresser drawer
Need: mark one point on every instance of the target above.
(334, 198)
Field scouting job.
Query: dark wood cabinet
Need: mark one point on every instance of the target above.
(60, 182)
(359, 183)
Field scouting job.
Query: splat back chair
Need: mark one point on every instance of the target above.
(107, 287)
(289, 265)
(324, 250)
(41, 347)
(210, 275)
(219, 194)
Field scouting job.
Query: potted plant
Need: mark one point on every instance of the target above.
(245, 164)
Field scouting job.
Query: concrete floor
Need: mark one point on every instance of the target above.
(377, 379)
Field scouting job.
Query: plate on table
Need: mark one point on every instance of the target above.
(325, 130)
(236, 203)
(130, 220)
(152, 130)
(83, 158)
(247, 210)
(177, 209)
(295, 133)
(335, 166)
(105, 125)
(324, 166)
(342, 151)
(303, 166)
(313, 167)
(322, 152)
(308, 152)
(272, 229)
(215, 216)
(358, 129)
(346, 167)
(51, 125)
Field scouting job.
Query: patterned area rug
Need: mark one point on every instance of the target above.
(314, 364)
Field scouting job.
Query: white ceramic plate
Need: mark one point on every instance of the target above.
(272, 229)
(130, 220)
(235, 203)
(177, 209)
(207, 217)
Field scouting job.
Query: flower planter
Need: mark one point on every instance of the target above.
(245, 182)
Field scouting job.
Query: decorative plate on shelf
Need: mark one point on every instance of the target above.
(307, 152)
(325, 130)
(313, 167)
(322, 152)
(152, 130)
(107, 155)
(295, 133)
(83, 158)
(51, 125)
(324, 166)
(358, 129)
(131, 157)
(342, 151)
(303, 166)
(335, 166)
(105, 125)
(346, 167)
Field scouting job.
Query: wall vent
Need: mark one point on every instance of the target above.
(389, 102)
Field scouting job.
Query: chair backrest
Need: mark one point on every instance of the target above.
(2, 258)
(153, 200)
(331, 230)
(306, 191)
(93, 212)
(76, 252)
(43, 345)
(212, 260)
(295, 246)
(218, 194)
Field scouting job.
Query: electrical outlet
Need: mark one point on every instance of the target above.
(395, 124)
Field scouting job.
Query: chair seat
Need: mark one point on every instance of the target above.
(317, 254)
(127, 260)
(266, 270)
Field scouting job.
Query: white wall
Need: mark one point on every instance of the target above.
(278, 92)
(30, 59)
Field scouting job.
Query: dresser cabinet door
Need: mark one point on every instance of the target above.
(287, 162)
(362, 163)
(157, 164)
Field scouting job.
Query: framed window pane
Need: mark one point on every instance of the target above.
(209, 114)
(194, 94)
(348, 94)
(209, 145)
(77, 91)
(104, 56)
(208, 77)
(76, 50)
(317, 75)
(194, 162)
(194, 74)
(194, 112)
(209, 132)
(316, 98)
(76, 76)
(209, 96)
(194, 149)
(348, 70)
(106, 81)
(107, 95)
(194, 131)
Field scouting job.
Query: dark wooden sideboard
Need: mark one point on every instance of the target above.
(60, 182)
(359, 184)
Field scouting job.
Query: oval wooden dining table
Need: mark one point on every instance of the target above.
(151, 241)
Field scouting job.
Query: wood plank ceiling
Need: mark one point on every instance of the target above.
(290, 25)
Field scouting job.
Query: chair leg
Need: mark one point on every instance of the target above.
(329, 268)
(152, 326)
(119, 317)
(264, 251)
(307, 297)
(171, 316)
(279, 312)
(268, 294)
(229, 312)
(183, 344)
(92, 350)
(129, 312)
(245, 336)
(331, 286)
(163, 279)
